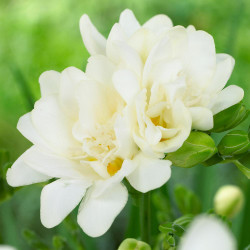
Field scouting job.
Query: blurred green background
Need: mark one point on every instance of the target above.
(41, 35)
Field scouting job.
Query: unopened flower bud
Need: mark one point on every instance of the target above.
(233, 143)
(133, 244)
(228, 200)
(198, 148)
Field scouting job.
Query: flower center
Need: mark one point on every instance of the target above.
(114, 166)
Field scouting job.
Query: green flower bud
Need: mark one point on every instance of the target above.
(133, 244)
(230, 118)
(228, 200)
(196, 149)
(234, 143)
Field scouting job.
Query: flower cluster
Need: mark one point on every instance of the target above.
(144, 89)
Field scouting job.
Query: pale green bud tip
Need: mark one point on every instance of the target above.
(228, 201)
(133, 244)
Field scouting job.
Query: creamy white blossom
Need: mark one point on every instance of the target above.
(174, 68)
(79, 139)
(207, 233)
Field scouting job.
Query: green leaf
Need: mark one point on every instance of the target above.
(6, 190)
(133, 244)
(242, 168)
(167, 228)
(187, 201)
(184, 220)
(60, 243)
(229, 118)
(234, 143)
(198, 148)
(34, 241)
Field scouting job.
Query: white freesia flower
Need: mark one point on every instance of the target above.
(79, 139)
(207, 233)
(175, 68)
(158, 122)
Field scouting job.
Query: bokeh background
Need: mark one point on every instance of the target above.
(36, 36)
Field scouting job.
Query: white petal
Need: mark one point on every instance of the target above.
(126, 146)
(129, 22)
(100, 68)
(96, 106)
(26, 127)
(182, 121)
(174, 45)
(227, 98)
(224, 67)
(59, 198)
(142, 41)
(207, 233)
(22, 174)
(126, 84)
(97, 213)
(149, 173)
(152, 133)
(49, 82)
(55, 165)
(127, 57)
(70, 77)
(201, 50)
(93, 40)
(158, 23)
(54, 126)
(116, 34)
(202, 118)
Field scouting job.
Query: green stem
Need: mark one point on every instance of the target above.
(145, 217)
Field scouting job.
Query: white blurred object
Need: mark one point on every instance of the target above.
(207, 233)
(6, 247)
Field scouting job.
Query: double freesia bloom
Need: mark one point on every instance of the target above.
(144, 89)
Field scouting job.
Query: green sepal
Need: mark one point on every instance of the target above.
(198, 148)
(235, 142)
(230, 118)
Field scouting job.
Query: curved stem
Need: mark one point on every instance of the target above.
(145, 217)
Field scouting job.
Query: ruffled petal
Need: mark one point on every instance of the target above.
(126, 146)
(202, 118)
(70, 77)
(150, 173)
(224, 67)
(56, 166)
(21, 173)
(59, 198)
(200, 59)
(126, 84)
(158, 22)
(54, 126)
(129, 22)
(100, 68)
(227, 98)
(27, 129)
(97, 212)
(96, 106)
(94, 41)
(49, 82)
